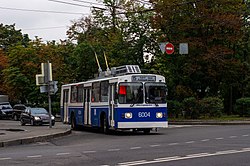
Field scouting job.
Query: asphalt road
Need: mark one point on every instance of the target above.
(175, 146)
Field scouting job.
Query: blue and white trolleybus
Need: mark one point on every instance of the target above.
(123, 100)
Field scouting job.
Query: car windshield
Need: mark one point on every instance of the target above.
(5, 107)
(38, 111)
(155, 92)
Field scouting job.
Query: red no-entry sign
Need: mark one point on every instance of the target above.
(169, 48)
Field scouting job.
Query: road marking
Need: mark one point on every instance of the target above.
(245, 135)
(36, 156)
(133, 148)
(233, 136)
(176, 158)
(171, 144)
(6, 158)
(167, 158)
(61, 154)
(132, 162)
(154, 145)
(190, 142)
(89, 151)
(113, 150)
(205, 140)
(219, 138)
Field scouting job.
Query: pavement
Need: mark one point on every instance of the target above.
(12, 133)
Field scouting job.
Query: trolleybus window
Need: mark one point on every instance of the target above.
(155, 92)
(95, 92)
(104, 91)
(130, 93)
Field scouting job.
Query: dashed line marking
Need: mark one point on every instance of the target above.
(89, 152)
(6, 158)
(171, 144)
(205, 140)
(133, 148)
(35, 156)
(245, 135)
(113, 150)
(219, 138)
(154, 145)
(61, 154)
(190, 142)
(233, 136)
(167, 158)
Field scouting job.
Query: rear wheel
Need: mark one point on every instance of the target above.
(73, 122)
(22, 122)
(104, 124)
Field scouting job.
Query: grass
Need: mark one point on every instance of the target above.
(222, 118)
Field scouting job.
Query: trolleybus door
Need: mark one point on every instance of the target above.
(65, 105)
(87, 109)
(111, 104)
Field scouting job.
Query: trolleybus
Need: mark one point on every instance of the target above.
(126, 99)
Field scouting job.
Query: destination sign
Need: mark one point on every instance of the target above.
(144, 78)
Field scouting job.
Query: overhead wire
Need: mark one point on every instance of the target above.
(40, 11)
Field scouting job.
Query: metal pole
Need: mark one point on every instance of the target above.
(49, 98)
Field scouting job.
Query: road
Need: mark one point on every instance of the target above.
(175, 146)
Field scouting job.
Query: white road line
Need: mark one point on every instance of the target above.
(113, 150)
(171, 144)
(167, 158)
(89, 152)
(176, 158)
(190, 142)
(219, 138)
(205, 140)
(154, 145)
(36, 156)
(132, 162)
(6, 158)
(245, 135)
(61, 154)
(133, 148)
(233, 136)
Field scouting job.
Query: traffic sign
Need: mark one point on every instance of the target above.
(169, 48)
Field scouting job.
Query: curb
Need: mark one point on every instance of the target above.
(28, 140)
(209, 123)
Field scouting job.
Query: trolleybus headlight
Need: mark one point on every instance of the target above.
(159, 115)
(128, 115)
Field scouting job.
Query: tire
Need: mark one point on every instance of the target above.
(104, 125)
(73, 122)
(22, 123)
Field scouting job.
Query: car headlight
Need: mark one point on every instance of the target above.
(37, 118)
(159, 115)
(128, 115)
(52, 117)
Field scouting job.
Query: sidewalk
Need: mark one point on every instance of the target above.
(12, 133)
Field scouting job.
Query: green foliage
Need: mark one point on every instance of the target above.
(174, 108)
(191, 108)
(243, 106)
(211, 107)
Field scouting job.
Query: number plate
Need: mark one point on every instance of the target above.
(143, 114)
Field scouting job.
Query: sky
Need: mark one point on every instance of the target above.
(46, 25)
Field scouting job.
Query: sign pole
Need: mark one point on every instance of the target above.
(49, 98)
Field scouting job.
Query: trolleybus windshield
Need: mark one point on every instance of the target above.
(155, 92)
(130, 93)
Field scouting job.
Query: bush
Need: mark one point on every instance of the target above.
(191, 108)
(243, 106)
(174, 108)
(211, 106)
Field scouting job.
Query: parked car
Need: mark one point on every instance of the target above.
(5, 110)
(17, 110)
(36, 116)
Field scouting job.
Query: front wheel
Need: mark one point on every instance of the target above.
(104, 127)
(146, 131)
(22, 122)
